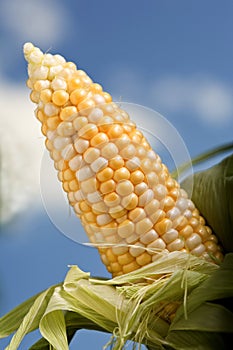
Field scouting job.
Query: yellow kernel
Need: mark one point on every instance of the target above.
(125, 229)
(143, 226)
(130, 267)
(65, 186)
(116, 162)
(68, 175)
(124, 188)
(90, 217)
(194, 222)
(88, 131)
(157, 216)
(120, 249)
(77, 96)
(125, 259)
(143, 259)
(121, 174)
(117, 212)
(89, 185)
(130, 202)
(115, 267)
(202, 231)
(44, 129)
(137, 214)
(74, 84)
(107, 97)
(46, 95)
(99, 140)
(105, 123)
(110, 256)
(180, 222)
(84, 207)
(107, 186)
(68, 113)
(91, 154)
(73, 185)
(86, 104)
(211, 246)
(163, 226)
(112, 199)
(96, 88)
(105, 174)
(136, 177)
(60, 97)
(109, 229)
(115, 131)
(170, 236)
(53, 122)
(41, 116)
(167, 203)
(186, 231)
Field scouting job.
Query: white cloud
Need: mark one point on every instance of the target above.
(21, 150)
(41, 21)
(208, 99)
(205, 98)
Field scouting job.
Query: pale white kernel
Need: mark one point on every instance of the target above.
(99, 237)
(149, 237)
(58, 84)
(198, 250)
(36, 56)
(68, 152)
(160, 191)
(75, 163)
(53, 71)
(95, 115)
(59, 59)
(191, 205)
(137, 249)
(133, 164)
(81, 145)
(193, 241)
(103, 219)
(27, 48)
(43, 84)
(157, 245)
(109, 151)
(99, 99)
(40, 73)
(50, 109)
(183, 193)
(77, 209)
(79, 195)
(182, 204)
(128, 152)
(132, 238)
(65, 129)
(119, 250)
(94, 197)
(51, 135)
(151, 155)
(188, 214)
(177, 244)
(173, 213)
(91, 155)
(146, 197)
(170, 236)
(60, 142)
(84, 173)
(71, 197)
(140, 188)
(49, 60)
(99, 164)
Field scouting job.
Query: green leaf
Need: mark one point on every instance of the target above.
(32, 319)
(53, 328)
(213, 196)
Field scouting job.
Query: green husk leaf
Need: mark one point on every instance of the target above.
(53, 328)
(213, 195)
(32, 319)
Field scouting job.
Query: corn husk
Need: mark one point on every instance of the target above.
(128, 307)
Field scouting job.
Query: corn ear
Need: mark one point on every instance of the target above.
(129, 205)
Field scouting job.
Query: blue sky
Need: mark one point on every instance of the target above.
(175, 57)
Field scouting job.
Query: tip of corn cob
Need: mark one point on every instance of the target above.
(130, 206)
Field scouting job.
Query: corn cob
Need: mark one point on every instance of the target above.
(130, 206)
